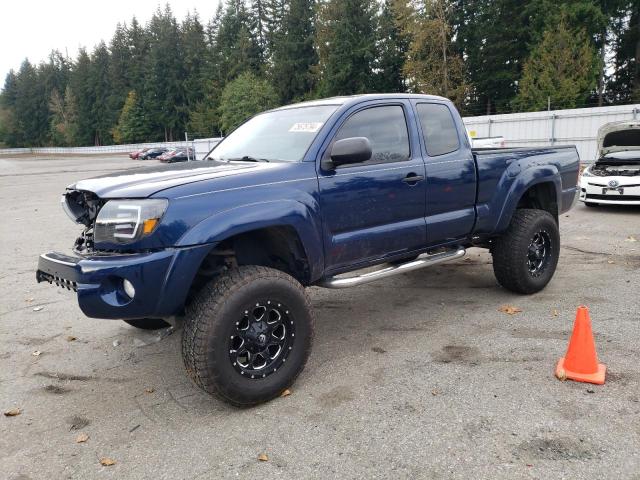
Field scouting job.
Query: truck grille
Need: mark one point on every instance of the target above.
(60, 282)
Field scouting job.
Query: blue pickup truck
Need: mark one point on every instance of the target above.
(307, 194)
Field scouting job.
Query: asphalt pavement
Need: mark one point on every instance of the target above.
(416, 376)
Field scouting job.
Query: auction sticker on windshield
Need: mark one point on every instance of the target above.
(311, 127)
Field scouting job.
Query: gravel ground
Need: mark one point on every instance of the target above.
(419, 376)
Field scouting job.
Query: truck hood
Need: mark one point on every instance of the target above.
(144, 182)
(619, 137)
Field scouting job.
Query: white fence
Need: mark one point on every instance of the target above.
(200, 146)
(556, 127)
(577, 127)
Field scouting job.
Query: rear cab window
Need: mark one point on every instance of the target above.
(439, 128)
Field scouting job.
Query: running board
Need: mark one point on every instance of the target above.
(422, 261)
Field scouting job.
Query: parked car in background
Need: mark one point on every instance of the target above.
(153, 153)
(614, 179)
(135, 155)
(166, 155)
(179, 155)
(487, 142)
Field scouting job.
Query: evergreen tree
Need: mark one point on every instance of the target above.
(624, 84)
(346, 47)
(244, 97)
(163, 79)
(131, 127)
(392, 50)
(194, 56)
(81, 82)
(119, 71)
(562, 68)
(102, 118)
(293, 52)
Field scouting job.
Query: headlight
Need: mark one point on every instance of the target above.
(586, 172)
(127, 221)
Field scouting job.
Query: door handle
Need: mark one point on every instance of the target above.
(412, 178)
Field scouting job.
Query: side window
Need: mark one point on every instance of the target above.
(439, 129)
(386, 129)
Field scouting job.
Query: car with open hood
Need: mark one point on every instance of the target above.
(614, 179)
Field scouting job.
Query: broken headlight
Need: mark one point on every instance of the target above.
(127, 221)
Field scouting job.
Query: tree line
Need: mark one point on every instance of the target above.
(155, 81)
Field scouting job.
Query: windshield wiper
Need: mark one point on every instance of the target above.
(247, 158)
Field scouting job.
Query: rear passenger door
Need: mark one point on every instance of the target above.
(450, 171)
(374, 209)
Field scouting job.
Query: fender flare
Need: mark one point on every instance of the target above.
(523, 182)
(254, 216)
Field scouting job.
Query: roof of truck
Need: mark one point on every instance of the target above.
(351, 99)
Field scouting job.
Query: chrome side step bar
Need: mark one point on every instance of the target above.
(424, 260)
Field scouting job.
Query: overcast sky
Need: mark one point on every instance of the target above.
(32, 28)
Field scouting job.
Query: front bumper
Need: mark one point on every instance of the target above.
(161, 280)
(598, 190)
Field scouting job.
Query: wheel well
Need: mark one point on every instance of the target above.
(276, 247)
(541, 196)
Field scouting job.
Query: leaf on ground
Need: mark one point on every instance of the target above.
(631, 238)
(435, 392)
(71, 338)
(36, 353)
(29, 300)
(610, 262)
(561, 375)
(149, 390)
(555, 312)
(37, 309)
(263, 457)
(82, 437)
(509, 309)
(13, 412)
(107, 462)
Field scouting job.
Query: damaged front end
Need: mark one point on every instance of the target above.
(82, 207)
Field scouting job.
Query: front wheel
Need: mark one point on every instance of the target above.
(526, 255)
(247, 335)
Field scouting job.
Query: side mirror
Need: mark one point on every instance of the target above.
(350, 150)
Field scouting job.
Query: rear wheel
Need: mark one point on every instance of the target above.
(526, 255)
(148, 323)
(247, 335)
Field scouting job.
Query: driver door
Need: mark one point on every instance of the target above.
(376, 208)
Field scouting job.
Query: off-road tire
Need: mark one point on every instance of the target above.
(211, 320)
(510, 251)
(148, 323)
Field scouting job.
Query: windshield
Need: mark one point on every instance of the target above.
(277, 135)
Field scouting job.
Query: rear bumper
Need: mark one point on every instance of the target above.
(161, 281)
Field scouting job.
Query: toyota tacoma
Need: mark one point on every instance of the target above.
(315, 193)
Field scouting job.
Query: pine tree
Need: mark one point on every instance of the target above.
(244, 97)
(624, 86)
(102, 118)
(346, 47)
(81, 82)
(119, 71)
(293, 52)
(392, 50)
(563, 67)
(164, 74)
(131, 127)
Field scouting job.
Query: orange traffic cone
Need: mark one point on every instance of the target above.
(581, 361)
